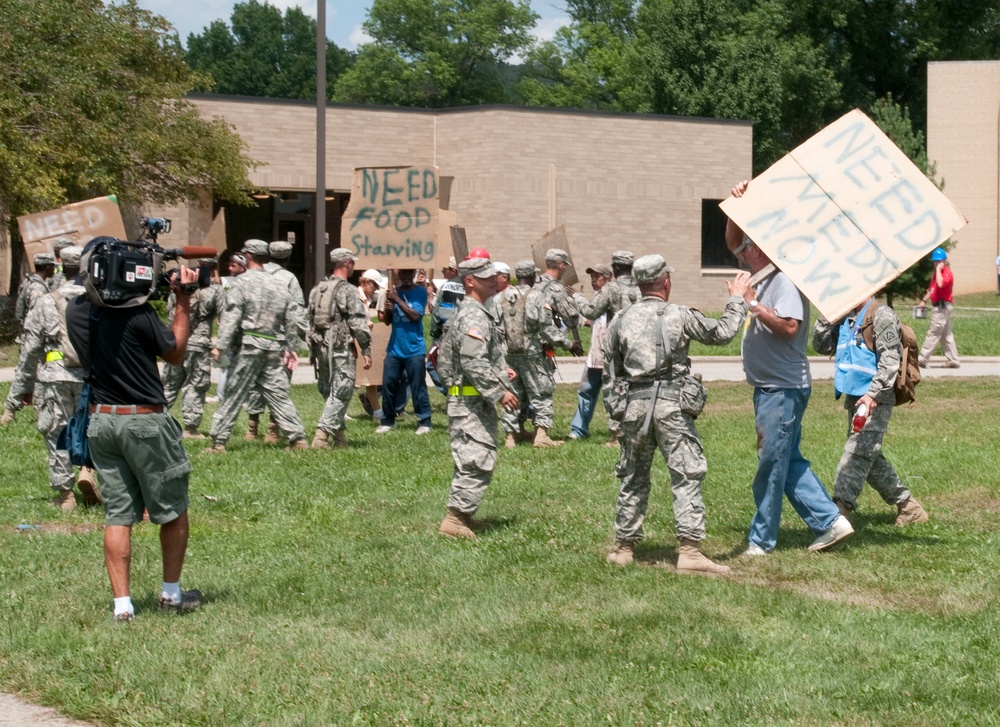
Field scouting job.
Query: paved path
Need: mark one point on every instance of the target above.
(17, 713)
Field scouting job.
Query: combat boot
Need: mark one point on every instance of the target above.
(273, 435)
(522, 435)
(216, 448)
(842, 506)
(911, 513)
(7, 418)
(623, 554)
(298, 444)
(510, 442)
(320, 440)
(691, 560)
(65, 500)
(456, 525)
(339, 440)
(86, 480)
(252, 424)
(616, 439)
(542, 439)
(191, 432)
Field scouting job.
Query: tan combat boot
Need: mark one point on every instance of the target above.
(7, 418)
(456, 525)
(842, 506)
(911, 513)
(86, 480)
(252, 425)
(339, 440)
(510, 442)
(616, 439)
(691, 560)
(191, 432)
(298, 444)
(320, 440)
(623, 554)
(273, 435)
(65, 500)
(215, 449)
(542, 439)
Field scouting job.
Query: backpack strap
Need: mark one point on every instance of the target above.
(868, 324)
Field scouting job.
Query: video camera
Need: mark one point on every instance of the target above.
(123, 273)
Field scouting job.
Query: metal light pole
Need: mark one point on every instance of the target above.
(319, 258)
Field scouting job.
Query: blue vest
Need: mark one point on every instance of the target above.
(855, 364)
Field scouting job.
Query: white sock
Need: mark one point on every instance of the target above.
(123, 605)
(377, 414)
(171, 592)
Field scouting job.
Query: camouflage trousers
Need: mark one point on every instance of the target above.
(674, 434)
(54, 404)
(472, 425)
(863, 460)
(263, 371)
(533, 386)
(256, 400)
(343, 366)
(191, 381)
(323, 371)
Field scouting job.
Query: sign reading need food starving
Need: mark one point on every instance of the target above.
(844, 214)
(392, 219)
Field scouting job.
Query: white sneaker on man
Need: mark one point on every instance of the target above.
(384, 428)
(754, 550)
(423, 430)
(840, 530)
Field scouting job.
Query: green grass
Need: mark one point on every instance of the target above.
(332, 600)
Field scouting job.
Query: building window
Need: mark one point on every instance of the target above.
(714, 253)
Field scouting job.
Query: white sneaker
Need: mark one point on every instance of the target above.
(840, 530)
(385, 428)
(753, 549)
(423, 430)
(348, 418)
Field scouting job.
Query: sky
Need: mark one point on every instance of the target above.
(343, 17)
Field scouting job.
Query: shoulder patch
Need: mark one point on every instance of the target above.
(474, 332)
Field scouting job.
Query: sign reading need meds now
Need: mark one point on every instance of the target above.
(392, 219)
(844, 214)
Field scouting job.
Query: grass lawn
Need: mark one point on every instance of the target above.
(332, 600)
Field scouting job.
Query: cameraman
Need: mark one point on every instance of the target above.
(134, 442)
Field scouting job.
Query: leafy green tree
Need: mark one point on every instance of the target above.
(438, 53)
(263, 53)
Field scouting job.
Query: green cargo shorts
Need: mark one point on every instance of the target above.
(142, 465)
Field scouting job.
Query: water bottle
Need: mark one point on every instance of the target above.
(860, 417)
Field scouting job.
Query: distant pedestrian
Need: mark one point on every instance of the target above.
(940, 295)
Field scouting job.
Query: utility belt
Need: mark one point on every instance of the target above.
(53, 356)
(126, 408)
(688, 391)
(462, 391)
(658, 388)
(265, 336)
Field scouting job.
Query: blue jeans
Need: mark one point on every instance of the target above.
(782, 469)
(394, 385)
(586, 395)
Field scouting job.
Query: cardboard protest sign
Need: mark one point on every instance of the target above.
(844, 214)
(80, 222)
(392, 218)
(380, 342)
(459, 243)
(555, 238)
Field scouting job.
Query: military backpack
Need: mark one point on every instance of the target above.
(908, 375)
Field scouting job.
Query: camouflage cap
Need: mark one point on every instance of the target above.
(622, 257)
(477, 267)
(71, 256)
(256, 247)
(650, 268)
(525, 268)
(554, 254)
(61, 244)
(280, 249)
(502, 268)
(44, 258)
(342, 255)
(602, 269)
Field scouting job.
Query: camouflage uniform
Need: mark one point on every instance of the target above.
(259, 307)
(863, 458)
(524, 384)
(194, 377)
(316, 338)
(348, 323)
(630, 290)
(634, 350)
(478, 383)
(56, 385)
(32, 291)
(535, 381)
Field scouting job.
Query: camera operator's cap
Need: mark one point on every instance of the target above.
(650, 268)
(477, 267)
(525, 268)
(554, 254)
(44, 258)
(71, 256)
(502, 268)
(280, 249)
(622, 257)
(602, 269)
(256, 247)
(936, 256)
(375, 276)
(342, 255)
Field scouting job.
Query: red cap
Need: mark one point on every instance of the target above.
(479, 252)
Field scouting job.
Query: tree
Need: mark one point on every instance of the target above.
(263, 53)
(438, 53)
(91, 103)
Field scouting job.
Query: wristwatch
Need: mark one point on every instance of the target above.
(753, 304)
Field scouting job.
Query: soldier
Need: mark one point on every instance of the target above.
(472, 366)
(509, 305)
(57, 383)
(348, 331)
(600, 313)
(319, 321)
(867, 364)
(621, 266)
(260, 308)
(608, 300)
(192, 379)
(32, 290)
(59, 276)
(647, 346)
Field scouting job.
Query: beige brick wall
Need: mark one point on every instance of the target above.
(963, 126)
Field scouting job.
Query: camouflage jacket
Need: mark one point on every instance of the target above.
(58, 280)
(32, 290)
(478, 352)
(610, 300)
(41, 342)
(298, 316)
(258, 306)
(348, 320)
(540, 329)
(562, 308)
(206, 306)
(630, 290)
(504, 304)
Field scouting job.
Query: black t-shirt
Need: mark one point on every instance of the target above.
(128, 340)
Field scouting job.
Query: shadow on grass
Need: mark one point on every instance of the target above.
(490, 524)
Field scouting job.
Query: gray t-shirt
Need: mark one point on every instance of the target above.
(768, 359)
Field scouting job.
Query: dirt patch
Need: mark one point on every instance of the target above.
(58, 528)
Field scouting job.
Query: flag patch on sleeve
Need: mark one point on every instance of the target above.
(475, 333)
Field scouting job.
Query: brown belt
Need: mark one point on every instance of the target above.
(125, 409)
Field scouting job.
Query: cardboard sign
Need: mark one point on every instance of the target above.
(844, 214)
(392, 218)
(459, 243)
(80, 222)
(555, 238)
(380, 343)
